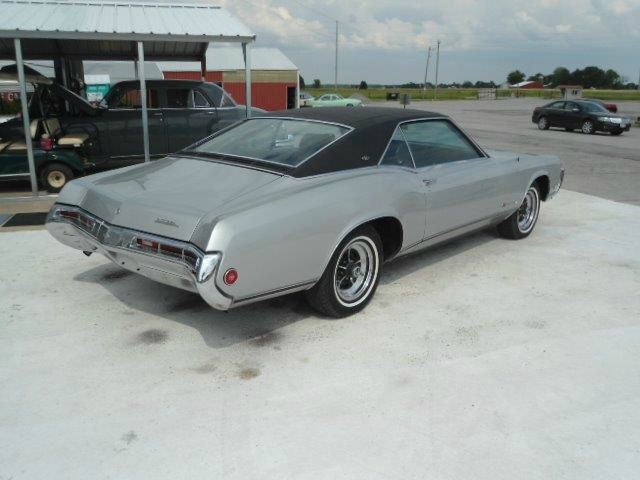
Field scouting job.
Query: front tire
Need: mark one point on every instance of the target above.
(54, 176)
(588, 127)
(352, 275)
(521, 223)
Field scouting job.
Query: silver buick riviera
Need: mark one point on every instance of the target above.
(314, 200)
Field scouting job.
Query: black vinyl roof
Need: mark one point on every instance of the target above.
(364, 146)
(357, 117)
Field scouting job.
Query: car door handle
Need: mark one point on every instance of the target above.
(428, 181)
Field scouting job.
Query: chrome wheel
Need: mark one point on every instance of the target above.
(56, 179)
(528, 211)
(355, 271)
(543, 123)
(587, 127)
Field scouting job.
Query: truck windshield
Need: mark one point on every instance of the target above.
(280, 141)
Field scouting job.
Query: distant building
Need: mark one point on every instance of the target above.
(274, 77)
(570, 91)
(528, 84)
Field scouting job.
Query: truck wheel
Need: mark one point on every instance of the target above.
(351, 278)
(54, 176)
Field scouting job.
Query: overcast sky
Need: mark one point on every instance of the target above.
(386, 41)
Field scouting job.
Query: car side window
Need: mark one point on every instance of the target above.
(177, 97)
(558, 105)
(437, 141)
(570, 106)
(129, 97)
(397, 152)
(199, 100)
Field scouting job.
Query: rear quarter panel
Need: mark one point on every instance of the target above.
(284, 234)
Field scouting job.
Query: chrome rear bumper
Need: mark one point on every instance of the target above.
(167, 261)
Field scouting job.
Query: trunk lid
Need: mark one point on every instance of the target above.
(168, 197)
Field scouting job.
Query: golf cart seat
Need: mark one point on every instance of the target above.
(9, 145)
(54, 129)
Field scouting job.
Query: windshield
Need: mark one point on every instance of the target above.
(594, 107)
(274, 140)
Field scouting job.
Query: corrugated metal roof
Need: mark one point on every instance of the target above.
(108, 28)
(112, 20)
(230, 58)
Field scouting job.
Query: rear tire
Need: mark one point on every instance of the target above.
(352, 275)
(588, 127)
(54, 176)
(543, 123)
(522, 222)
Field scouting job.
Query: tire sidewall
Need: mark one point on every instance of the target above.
(325, 287)
(535, 220)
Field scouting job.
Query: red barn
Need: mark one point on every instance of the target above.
(274, 78)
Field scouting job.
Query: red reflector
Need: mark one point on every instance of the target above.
(69, 214)
(231, 276)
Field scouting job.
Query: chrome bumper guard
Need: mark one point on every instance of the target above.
(174, 263)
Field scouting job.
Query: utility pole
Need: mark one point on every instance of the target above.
(336, 72)
(426, 71)
(435, 87)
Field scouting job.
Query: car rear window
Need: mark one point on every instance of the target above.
(274, 140)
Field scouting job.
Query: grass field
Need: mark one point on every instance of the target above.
(379, 94)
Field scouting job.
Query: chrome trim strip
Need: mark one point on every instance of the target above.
(277, 291)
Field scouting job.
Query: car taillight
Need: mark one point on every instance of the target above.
(230, 276)
(147, 244)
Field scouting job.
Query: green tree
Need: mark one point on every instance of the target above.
(363, 85)
(467, 84)
(561, 76)
(316, 83)
(613, 79)
(515, 77)
(302, 84)
(538, 77)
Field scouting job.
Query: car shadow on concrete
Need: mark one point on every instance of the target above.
(406, 265)
(257, 322)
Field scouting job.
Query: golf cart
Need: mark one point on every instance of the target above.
(60, 154)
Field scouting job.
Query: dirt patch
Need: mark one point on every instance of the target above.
(266, 339)
(249, 373)
(129, 437)
(115, 275)
(151, 337)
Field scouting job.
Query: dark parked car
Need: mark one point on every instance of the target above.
(587, 116)
(110, 135)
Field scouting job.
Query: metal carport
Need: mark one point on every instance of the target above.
(109, 30)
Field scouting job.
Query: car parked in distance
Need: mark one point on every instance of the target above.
(312, 200)
(305, 97)
(585, 115)
(110, 135)
(334, 100)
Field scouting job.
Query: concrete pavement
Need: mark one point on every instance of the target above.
(483, 359)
